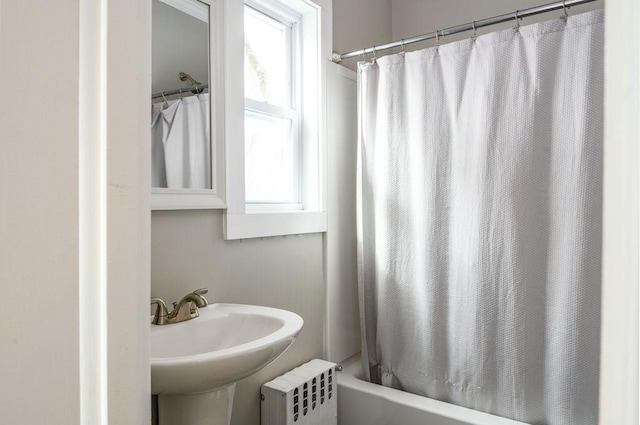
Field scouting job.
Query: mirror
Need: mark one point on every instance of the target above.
(183, 140)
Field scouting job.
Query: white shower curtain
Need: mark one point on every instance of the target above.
(181, 151)
(479, 208)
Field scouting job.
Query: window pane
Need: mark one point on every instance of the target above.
(267, 69)
(270, 159)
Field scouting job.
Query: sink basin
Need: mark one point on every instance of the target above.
(226, 343)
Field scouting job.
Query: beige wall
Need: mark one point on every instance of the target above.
(38, 215)
(188, 252)
(127, 168)
(343, 318)
(365, 23)
(415, 17)
(180, 43)
(72, 160)
(39, 212)
(360, 23)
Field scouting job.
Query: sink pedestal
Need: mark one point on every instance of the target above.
(210, 408)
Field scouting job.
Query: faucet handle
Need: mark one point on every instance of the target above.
(161, 313)
(201, 291)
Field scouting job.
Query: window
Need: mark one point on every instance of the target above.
(271, 119)
(274, 137)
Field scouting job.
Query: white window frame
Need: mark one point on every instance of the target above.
(291, 19)
(244, 220)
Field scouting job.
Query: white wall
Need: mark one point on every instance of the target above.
(39, 212)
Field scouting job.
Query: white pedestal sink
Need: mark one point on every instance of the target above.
(195, 364)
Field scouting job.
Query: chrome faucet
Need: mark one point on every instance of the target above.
(185, 309)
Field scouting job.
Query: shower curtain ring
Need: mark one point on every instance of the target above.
(475, 31)
(402, 44)
(517, 20)
(374, 58)
(564, 8)
(437, 38)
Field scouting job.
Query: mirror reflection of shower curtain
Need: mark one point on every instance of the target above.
(181, 151)
(479, 220)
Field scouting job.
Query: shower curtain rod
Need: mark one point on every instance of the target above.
(518, 14)
(193, 89)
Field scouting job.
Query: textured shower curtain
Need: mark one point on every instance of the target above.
(479, 208)
(180, 145)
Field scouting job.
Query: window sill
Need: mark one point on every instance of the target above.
(265, 224)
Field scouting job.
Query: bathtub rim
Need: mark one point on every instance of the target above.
(351, 378)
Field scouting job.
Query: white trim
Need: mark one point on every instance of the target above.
(278, 14)
(260, 225)
(218, 108)
(195, 8)
(128, 179)
(276, 10)
(92, 214)
(185, 199)
(342, 326)
(347, 73)
(239, 222)
(272, 207)
(270, 109)
(234, 107)
(214, 198)
(620, 238)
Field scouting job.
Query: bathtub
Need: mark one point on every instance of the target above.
(364, 403)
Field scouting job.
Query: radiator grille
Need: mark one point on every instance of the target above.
(302, 396)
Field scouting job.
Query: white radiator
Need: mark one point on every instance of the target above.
(306, 395)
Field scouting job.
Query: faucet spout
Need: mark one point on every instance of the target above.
(187, 307)
(198, 298)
